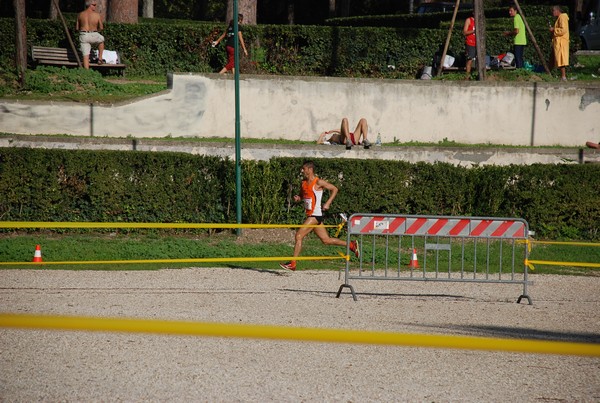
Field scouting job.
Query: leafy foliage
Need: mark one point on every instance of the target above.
(408, 42)
(558, 201)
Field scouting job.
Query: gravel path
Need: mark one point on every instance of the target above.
(39, 365)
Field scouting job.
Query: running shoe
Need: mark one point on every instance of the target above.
(288, 266)
(367, 144)
(354, 248)
(348, 144)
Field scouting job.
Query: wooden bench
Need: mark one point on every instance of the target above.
(65, 57)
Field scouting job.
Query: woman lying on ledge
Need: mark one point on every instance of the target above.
(593, 145)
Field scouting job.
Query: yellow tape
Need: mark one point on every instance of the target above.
(345, 257)
(552, 263)
(339, 228)
(296, 334)
(42, 224)
(566, 243)
(191, 260)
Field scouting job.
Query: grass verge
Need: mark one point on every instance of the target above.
(86, 86)
(78, 85)
(99, 247)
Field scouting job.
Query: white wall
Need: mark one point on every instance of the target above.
(298, 108)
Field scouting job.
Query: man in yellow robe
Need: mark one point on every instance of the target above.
(560, 40)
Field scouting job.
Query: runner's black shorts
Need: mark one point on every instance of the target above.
(319, 218)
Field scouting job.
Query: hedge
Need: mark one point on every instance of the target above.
(558, 201)
(154, 48)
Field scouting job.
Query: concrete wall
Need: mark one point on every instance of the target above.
(298, 108)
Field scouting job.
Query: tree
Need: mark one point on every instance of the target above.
(245, 7)
(123, 11)
(20, 39)
(101, 8)
(148, 9)
(53, 13)
(480, 35)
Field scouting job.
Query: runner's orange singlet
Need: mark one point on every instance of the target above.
(312, 198)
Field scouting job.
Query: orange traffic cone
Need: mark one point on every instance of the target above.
(37, 256)
(414, 263)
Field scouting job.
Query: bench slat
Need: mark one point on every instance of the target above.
(64, 57)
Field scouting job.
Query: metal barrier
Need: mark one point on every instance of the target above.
(453, 249)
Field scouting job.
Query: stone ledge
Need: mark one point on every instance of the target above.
(464, 156)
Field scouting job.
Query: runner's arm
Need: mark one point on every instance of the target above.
(332, 192)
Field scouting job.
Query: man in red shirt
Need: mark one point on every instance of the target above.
(470, 43)
(312, 195)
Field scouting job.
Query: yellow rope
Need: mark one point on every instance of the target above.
(296, 334)
(43, 224)
(191, 260)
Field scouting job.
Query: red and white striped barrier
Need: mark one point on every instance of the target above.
(513, 228)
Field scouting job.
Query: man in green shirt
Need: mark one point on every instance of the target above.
(520, 37)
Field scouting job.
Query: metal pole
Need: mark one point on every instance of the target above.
(238, 152)
(73, 48)
(441, 65)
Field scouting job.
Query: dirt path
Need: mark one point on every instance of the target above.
(82, 366)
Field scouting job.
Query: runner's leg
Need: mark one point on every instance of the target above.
(301, 233)
(321, 232)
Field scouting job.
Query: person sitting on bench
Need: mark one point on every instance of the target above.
(89, 25)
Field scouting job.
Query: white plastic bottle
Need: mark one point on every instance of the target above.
(378, 141)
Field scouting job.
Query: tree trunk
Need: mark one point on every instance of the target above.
(332, 9)
(20, 40)
(53, 12)
(148, 10)
(101, 8)
(291, 12)
(480, 35)
(245, 7)
(123, 11)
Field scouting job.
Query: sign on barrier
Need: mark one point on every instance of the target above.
(459, 249)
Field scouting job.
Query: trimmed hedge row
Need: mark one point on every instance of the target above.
(558, 201)
(156, 48)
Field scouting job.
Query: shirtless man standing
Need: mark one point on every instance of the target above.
(89, 24)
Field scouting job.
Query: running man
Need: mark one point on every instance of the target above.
(312, 194)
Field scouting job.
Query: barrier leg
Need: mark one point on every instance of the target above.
(525, 296)
(351, 290)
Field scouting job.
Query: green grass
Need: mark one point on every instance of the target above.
(86, 86)
(78, 85)
(587, 69)
(87, 247)
(445, 143)
(154, 245)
